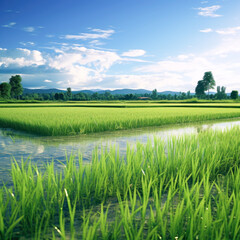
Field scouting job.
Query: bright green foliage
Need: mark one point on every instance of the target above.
(73, 120)
(185, 188)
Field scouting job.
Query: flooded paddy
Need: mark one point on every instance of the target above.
(19, 145)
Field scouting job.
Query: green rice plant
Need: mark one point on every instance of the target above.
(57, 121)
(8, 223)
(183, 188)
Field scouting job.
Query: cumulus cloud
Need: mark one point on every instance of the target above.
(81, 64)
(81, 67)
(10, 25)
(209, 11)
(134, 53)
(222, 60)
(29, 29)
(95, 34)
(20, 57)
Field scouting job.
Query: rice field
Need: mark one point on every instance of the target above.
(60, 121)
(187, 188)
(123, 104)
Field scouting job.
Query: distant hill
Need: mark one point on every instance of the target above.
(51, 90)
(100, 91)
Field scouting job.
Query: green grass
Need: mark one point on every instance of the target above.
(57, 121)
(186, 188)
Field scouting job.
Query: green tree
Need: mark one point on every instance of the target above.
(69, 93)
(221, 93)
(200, 88)
(5, 90)
(154, 94)
(108, 95)
(234, 94)
(209, 81)
(16, 86)
(95, 96)
(206, 84)
(56, 96)
(61, 96)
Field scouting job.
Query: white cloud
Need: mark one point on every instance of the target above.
(96, 43)
(21, 58)
(161, 81)
(207, 30)
(29, 29)
(81, 67)
(10, 25)
(209, 11)
(223, 60)
(96, 34)
(229, 31)
(27, 43)
(184, 57)
(81, 64)
(134, 53)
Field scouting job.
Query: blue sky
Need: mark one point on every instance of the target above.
(110, 44)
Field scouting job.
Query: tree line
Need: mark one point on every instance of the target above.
(14, 89)
(208, 83)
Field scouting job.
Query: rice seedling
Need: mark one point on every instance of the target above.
(71, 121)
(187, 188)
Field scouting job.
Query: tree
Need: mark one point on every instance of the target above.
(206, 84)
(16, 86)
(5, 90)
(69, 93)
(154, 94)
(200, 88)
(61, 96)
(234, 94)
(208, 81)
(107, 95)
(56, 96)
(221, 93)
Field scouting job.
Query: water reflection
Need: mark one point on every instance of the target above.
(42, 149)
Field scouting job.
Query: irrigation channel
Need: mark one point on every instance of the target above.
(19, 145)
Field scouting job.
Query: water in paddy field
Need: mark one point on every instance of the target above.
(40, 150)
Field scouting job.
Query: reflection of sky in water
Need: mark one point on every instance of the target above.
(43, 149)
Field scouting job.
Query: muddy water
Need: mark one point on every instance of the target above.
(18, 145)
